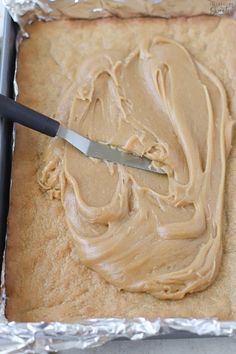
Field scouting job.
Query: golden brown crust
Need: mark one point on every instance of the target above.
(44, 278)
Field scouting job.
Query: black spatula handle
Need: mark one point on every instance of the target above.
(16, 112)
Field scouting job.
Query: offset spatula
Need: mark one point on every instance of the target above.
(11, 110)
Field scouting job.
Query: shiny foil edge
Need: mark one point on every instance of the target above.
(27, 11)
(54, 336)
(36, 337)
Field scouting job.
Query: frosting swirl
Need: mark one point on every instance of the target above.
(141, 231)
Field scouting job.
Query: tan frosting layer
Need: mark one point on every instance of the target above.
(142, 231)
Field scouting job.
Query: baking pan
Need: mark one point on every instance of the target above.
(6, 130)
(61, 333)
(7, 71)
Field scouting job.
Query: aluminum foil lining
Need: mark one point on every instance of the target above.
(26, 11)
(53, 336)
(39, 337)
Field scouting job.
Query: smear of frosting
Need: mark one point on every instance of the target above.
(141, 231)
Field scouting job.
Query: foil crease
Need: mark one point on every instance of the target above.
(39, 337)
(16, 337)
(27, 11)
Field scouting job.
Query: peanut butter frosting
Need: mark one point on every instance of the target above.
(141, 231)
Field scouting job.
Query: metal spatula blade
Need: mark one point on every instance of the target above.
(106, 152)
(18, 113)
